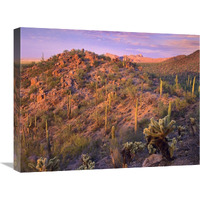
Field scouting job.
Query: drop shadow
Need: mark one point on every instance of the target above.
(8, 164)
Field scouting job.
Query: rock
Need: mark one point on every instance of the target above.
(152, 160)
(39, 83)
(140, 68)
(41, 97)
(66, 82)
(32, 96)
(34, 81)
(56, 72)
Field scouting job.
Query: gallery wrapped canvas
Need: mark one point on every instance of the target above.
(99, 99)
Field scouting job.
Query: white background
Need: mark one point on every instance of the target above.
(137, 16)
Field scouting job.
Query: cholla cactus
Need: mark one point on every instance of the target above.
(86, 162)
(130, 149)
(172, 147)
(193, 125)
(151, 149)
(156, 134)
(44, 165)
(181, 130)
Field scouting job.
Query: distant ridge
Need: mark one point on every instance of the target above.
(137, 58)
(179, 64)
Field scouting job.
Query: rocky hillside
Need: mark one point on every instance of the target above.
(78, 102)
(176, 65)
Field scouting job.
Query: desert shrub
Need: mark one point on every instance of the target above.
(97, 149)
(52, 82)
(180, 104)
(161, 109)
(166, 95)
(88, 68)
(188, 97)
(128, 135)
(26, 83)
(96, 63)
(60, 115)
(24, 101)
(131, 91)
(115, 68)
(167, 88)
(80, 77)
(129, 82)
(143, 122)
(147, 79)
(91, 86)
(33, 89)
(74, 146)
(119, 64)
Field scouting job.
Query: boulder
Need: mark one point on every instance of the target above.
(56, 72)
(41, 97)
(152, 160)
(34, 81)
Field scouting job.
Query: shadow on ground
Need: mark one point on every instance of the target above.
(8, 164)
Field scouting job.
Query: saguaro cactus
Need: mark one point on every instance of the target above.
(161, 83)
(136, 116)
(109, 102)
(176, 81)
(69, 106)
(113, 132)
(48, 140)
(35, 125)
(106, 89)
(106, 118)
(193, 86)
(170, 110)
(96, 94)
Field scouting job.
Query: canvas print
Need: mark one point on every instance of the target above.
(102, 99)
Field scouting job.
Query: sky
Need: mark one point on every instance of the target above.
(37, 41)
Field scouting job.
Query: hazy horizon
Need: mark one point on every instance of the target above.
(35, 41)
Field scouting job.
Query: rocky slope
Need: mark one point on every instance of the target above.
(91, 82)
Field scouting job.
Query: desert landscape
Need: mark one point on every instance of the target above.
(82, 110)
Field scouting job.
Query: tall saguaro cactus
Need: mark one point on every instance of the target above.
(136, 116)
(176, 81)
(113, 132)
(161, 91)
(69, 106)
(96, 94)
(193, 86)
(48, 140)
(109, 102)
(106, 118)
(169, 110)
